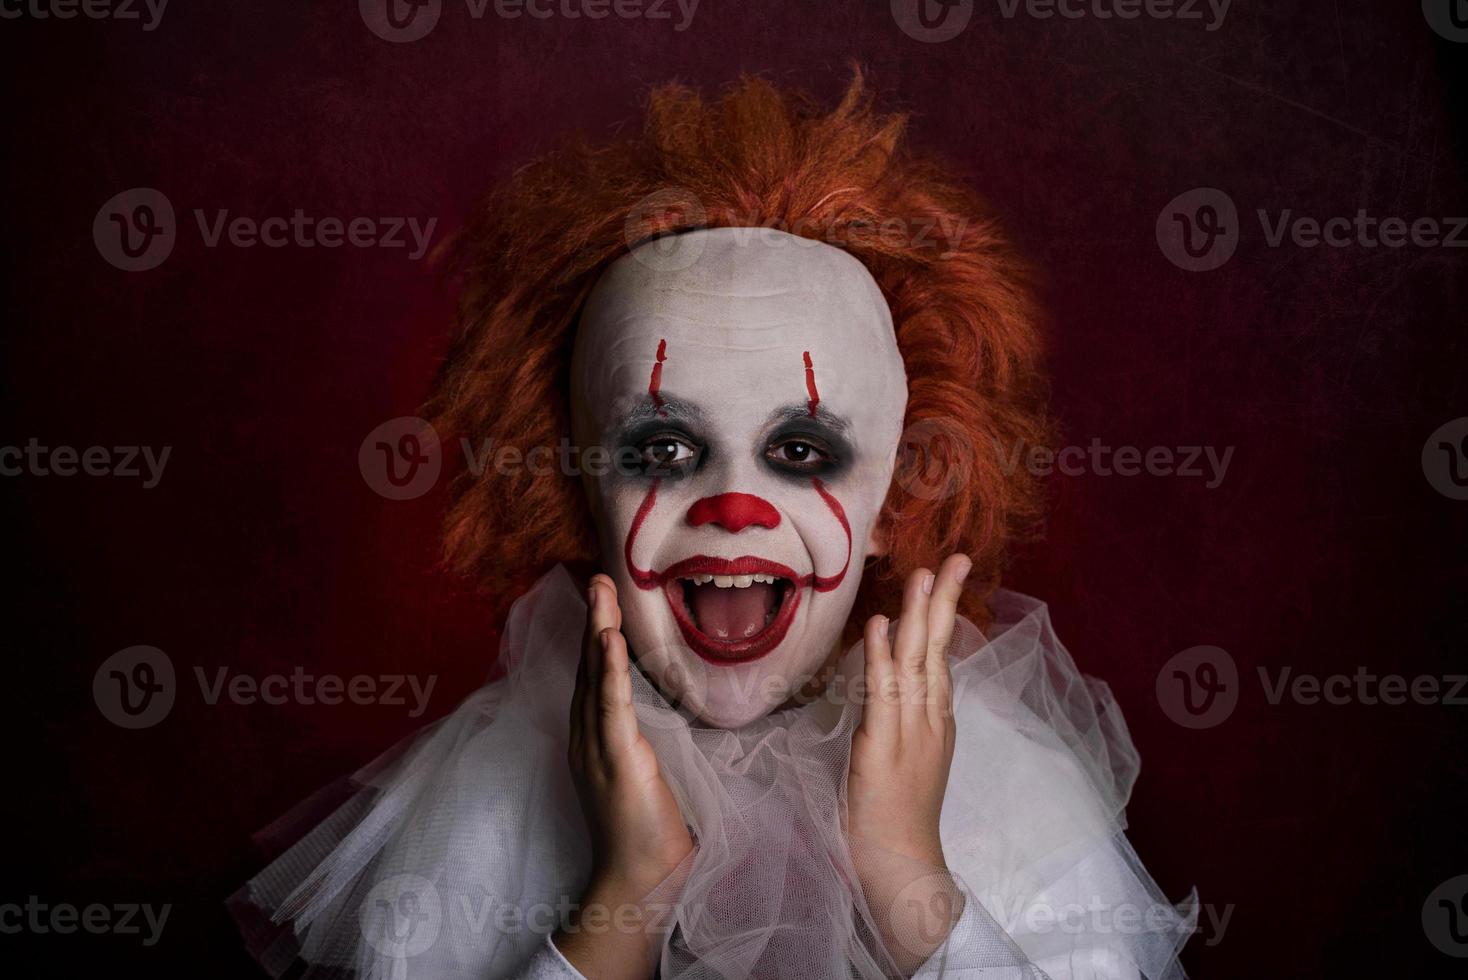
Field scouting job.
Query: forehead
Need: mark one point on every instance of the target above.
(736, 311)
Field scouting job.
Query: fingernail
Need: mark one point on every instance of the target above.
(928, 584)
(591, 596)
(606, 637)
(882, 627)
(964, 567)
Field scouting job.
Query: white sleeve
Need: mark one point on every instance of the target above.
(978, 949)
(954, 959)
(548, 964)
(1089, 923)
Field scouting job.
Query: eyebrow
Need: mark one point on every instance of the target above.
(673, 409)
(801, 413)
(677, 410)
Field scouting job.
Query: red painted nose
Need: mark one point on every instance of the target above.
(733, 512)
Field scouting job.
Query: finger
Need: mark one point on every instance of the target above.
(942, 613)
(910, 651)
(607, 611)
(578, 693)
(614, 605)
(881, 711)
(598, 619)
(617, 720)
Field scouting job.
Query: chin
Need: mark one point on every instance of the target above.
(724, 691)
(719, 715)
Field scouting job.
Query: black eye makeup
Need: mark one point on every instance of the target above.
(804, 454)
(668, 454)
(663, 442)
(805, 446)
(808, 440)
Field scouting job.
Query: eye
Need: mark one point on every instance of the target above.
(799, 455)
(667, 454)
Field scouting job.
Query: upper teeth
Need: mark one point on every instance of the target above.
(732, 581)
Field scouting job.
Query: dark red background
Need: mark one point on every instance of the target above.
(1325, 548)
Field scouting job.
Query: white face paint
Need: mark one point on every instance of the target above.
(753, 400)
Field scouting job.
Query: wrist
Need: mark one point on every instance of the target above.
(611, 933)
(921, 850)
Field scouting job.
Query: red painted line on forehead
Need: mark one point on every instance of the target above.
(832, 581)
(642, 579)
(810, 386)
(656, 381)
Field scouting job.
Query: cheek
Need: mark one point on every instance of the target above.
(619, 501)
(835, 519)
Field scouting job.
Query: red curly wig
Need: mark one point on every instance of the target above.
(758, 156)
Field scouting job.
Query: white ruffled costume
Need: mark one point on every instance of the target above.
(463, 848)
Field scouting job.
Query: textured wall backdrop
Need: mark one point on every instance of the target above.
(1332, 543)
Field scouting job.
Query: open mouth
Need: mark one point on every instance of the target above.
(731, 610)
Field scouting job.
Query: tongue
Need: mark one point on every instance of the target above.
(732, 614)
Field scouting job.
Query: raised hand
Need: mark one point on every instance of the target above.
(638, 837)
(900, 756)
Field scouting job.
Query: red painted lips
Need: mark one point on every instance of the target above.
(679, 585)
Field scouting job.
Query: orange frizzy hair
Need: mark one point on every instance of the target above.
(756, 157)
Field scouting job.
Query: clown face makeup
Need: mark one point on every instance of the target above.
(753, 395)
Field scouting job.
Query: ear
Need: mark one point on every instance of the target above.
(879, 539)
